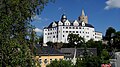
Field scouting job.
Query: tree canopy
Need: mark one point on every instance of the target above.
(109, 31)
(15, 17)
(61, 63)
(75, 40)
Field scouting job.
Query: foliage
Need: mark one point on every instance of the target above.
(109, 31)
(61, 63)
(116, 43)
(56, 45)
(74, 38)
(90, 61)
(105, 57)
(95, 44)
(50, 44)
(80, 63)
(15, 17)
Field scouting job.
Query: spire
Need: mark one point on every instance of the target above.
(83, 17)
(83, 13)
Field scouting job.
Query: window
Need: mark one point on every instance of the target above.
(45, 61)
(45, 33)
(66, 27)
(53, 36)
(69, 27)
(69, 31)
(76, 31)
(79, 27)
(63, 31)
(53, 32)
(80, 31)
(66, 31)
(76, 27)
(63, 35)
(63, 27)
(73, 28)
(40, 61)
(50, 60)
(55, 59)
(87, 36)
(83, 32)
(60, 59)
(73, 31)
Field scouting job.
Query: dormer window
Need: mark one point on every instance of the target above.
(54, 24)
(67, 22)
(60, 23)
(75, 23)
(83, 23)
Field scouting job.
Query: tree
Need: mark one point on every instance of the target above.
(15, 17)
(80, 63)
(95, 44)
(90, 61)
(72, 38)
(91, 43)
(50, 44)
(61, 63)
(105, 57)
(116, 40)
(109, 31)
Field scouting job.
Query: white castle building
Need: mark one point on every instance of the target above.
(58, 31)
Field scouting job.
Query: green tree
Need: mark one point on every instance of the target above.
(105, 57)
(72, 38)
(91, 43)
(90, 61)
(61, 63)
(116, 41)
(80, 63)
(15, 17)
(95, 44)
(50, 44)
(109, 31)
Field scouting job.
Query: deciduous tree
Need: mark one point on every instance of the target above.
(15, 17)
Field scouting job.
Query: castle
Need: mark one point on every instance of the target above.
(58, 31)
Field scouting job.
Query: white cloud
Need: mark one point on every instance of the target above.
(112, 4)
(38, 30)
(37, 18)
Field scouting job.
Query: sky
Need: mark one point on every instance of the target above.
(101, 13)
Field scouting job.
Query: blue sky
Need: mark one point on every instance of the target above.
(101, 13)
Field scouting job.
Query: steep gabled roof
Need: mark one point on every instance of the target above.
(71, 24)
(69, 52)
(46, 50)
